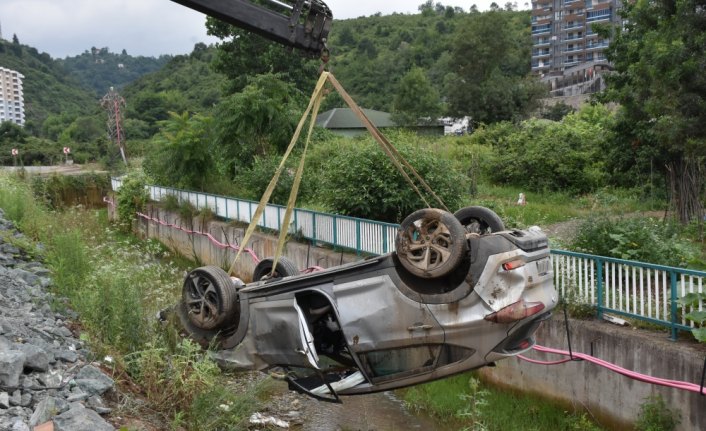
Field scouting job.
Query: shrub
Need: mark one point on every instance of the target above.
(256, 178)
(132, 197)
(355, 178)
(548, 155)
(172, 382)
(641, 239)
(655, 415)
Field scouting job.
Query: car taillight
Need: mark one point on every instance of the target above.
(507, 266)
(514, 312)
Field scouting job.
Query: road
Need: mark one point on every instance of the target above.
(58, 169)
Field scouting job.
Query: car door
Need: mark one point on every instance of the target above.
(281, 334)
(376, 317)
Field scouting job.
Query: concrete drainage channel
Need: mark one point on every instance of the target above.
(46, 379)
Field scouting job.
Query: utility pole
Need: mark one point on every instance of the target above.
(113, 104)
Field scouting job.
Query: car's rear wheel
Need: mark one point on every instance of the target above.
(481, 220)
(285, 268)
(210, 298)
(430, 243)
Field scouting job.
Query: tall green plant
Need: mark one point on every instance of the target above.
(641, 239)
(695, 300)
(132, 197)
(655, 415)
(356, 178)
(181, 156)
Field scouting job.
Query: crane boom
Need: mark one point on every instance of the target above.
(306, 28)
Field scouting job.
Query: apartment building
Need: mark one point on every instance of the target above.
(12, 106)
(563, 36)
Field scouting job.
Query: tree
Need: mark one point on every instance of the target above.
(11, 133)
(416, 99)
(490, 80)
(659, 82)
(181, 157)
(15, 40)
(258, 121)
(243, 54)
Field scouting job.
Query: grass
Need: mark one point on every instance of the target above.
(553, 207)
(117, 283)
(464, 403)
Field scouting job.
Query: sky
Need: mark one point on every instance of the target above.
(146, 27)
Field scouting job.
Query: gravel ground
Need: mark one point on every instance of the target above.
(45, 371)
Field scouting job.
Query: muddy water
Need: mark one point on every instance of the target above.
(374, 412)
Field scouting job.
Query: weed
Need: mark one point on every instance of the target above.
(132, 197)
(655, 415)
(641, 239)
(474, 402)
(170, 202)
(479, 405)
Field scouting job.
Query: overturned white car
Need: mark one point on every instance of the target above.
(459, 293)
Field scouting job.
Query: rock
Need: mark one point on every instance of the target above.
(93, 381)
(16, 398)
(77, 395)
(66, 356)
(19, 425)
(27, 276)
(11, 365)
(51, 379)
(79, 418)
(46, 409)
(9, 249)
(36, 358)
(26, 399)
(4, 400)
(62, 331)
(5, 344)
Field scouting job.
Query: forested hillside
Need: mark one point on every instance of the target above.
(185, 83)
(99, 69)
(48, 89)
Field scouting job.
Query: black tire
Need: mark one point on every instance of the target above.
(285, 268)
(430, 243)
(479, 220)
(210, 298)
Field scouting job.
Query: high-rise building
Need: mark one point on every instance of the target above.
(563, 37)
(12, 105)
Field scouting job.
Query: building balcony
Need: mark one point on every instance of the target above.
(572, 27)
(576, 49)
(541, 54)
(543, 66)
(598, 19)
(572, 62)
(541, 43)
(597, 45)
(568, 39)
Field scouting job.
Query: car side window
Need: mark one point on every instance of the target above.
(394, 363)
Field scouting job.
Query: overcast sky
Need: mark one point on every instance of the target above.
(146, 27)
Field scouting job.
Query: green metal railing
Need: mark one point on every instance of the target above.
(632, 289)
(627, 288)
(358, 235)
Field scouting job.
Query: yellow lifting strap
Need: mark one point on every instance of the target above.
(318, 91)
(314, 103)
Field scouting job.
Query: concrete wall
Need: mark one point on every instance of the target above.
(200, 248)
(613, 399)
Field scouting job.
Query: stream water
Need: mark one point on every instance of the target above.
(374, 412)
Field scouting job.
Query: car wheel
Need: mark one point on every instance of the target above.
(210, 298)
(285, 268)
(479, 220)
(430, 243)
